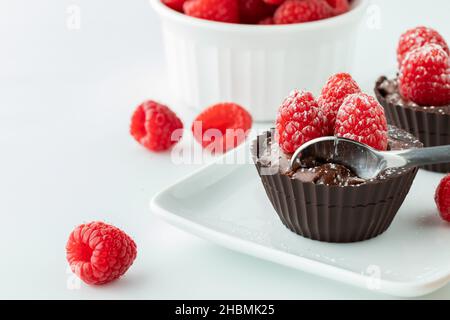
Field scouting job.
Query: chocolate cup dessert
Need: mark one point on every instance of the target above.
(327, 202)
(431, 125)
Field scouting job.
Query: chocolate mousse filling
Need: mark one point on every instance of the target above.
(331, 174)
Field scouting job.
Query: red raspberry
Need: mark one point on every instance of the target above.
(339, 6)
(252, 11)
(299, 120)
(174, 4)
(337, 88)
(361, 118)
(297, 11)
(222, 126)
(216, 10)
(274, 2)
(442, 198)
(266, 21)
(425, 76)
(99, 253)
(416, 38)
(153, 126)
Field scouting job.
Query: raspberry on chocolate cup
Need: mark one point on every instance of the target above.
(418, 99)
(327, 202)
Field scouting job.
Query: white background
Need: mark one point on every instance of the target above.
(66, 157)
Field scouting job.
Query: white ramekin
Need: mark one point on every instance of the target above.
(255, 66)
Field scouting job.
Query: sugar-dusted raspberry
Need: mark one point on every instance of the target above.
(299, 120)
(416, 38)
(253, 11)
(216, 10)
(361, 118)
(337, 88)
(442, 198)
(297, 11)
(153, 126)
(99, 253)
(425, 76)
(222, 126)
(174, 4)
(339, 6)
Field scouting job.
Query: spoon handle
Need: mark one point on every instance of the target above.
(426, 156)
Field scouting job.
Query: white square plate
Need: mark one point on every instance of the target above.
(226, 204)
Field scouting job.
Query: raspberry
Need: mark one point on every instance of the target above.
(153, 126)
(361, 118)
(299, 120)
(442, 198)
(266, 21)
(222, 126)
(416, 38)
(339, 6)
(337, 88)
(174, 4)
(252, 11)
(99, 253)
(216, 10)
(425, 76)
(296, 11)
(274, 2)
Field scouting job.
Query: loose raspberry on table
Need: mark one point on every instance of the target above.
(416, 38)
(337, 88)
(361, 118)
(299, 120)
(425, 76)
(99, 253)
(215, 10)
(253, 11)
(339, 6)
(442, 198)
(222, 126)
(153, 126)
(297, 11)
(174, 4)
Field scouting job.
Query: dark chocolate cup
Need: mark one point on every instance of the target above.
(432, 129)
(332, 213)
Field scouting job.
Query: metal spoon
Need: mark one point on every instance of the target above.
(366, 162)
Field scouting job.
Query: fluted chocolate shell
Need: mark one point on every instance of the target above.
(338, 214)
(432, 129)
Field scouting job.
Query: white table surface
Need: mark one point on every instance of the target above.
(66, 97)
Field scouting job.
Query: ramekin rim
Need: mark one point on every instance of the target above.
(358, 7)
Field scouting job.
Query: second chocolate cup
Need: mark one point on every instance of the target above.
(432, 129)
